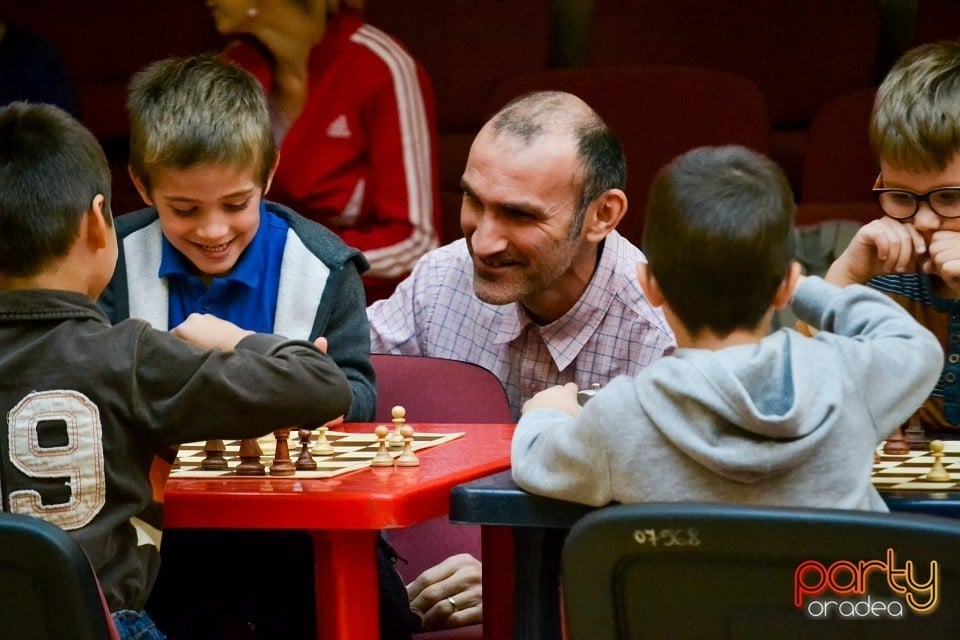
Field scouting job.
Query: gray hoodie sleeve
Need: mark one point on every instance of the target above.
(897, 358)
(877, 363)
(556, 455)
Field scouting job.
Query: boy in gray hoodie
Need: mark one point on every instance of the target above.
(736, 414)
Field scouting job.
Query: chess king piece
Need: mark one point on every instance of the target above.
(937, 472)
(408, 458)
(383, 457)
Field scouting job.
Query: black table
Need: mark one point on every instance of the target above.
(528, 531)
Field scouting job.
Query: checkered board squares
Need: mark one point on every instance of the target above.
(351, 452)
(907, 471)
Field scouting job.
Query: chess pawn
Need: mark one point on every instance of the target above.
(408, 458)
(937, 472)
(383, 457)
(305, 462)
(399, 419)
(323, 446)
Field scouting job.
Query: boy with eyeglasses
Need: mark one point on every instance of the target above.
(913, 252)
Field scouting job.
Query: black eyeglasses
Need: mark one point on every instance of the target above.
(901, 204)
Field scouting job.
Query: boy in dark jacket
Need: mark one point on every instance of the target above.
(89, 405)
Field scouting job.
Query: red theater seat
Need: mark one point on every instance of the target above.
(800, 54)
(839, 168)
(102, 45)
(657, 112)
(467, 48)
(437, 390)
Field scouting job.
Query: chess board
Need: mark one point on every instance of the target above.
(351, 452)
(906, 472)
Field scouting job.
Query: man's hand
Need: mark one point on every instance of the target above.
(449, 594)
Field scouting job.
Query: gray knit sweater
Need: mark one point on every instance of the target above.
(791, 420)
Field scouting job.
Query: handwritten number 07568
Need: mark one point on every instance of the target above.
(667, 537)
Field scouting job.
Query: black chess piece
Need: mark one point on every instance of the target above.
(305, 462)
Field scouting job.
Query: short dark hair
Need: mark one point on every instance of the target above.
(718, 236)
(51, 168)
(604, 165)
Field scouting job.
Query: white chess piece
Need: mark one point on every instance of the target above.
(408, 458)
(383, 457)
(399, 419)
(323, 446)
(937, 472)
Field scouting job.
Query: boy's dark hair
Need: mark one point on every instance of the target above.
(51, 168)
(198, 110)
(718, 236)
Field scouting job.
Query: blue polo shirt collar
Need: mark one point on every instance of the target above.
(246, 271)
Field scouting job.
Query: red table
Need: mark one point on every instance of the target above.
(345, 514)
